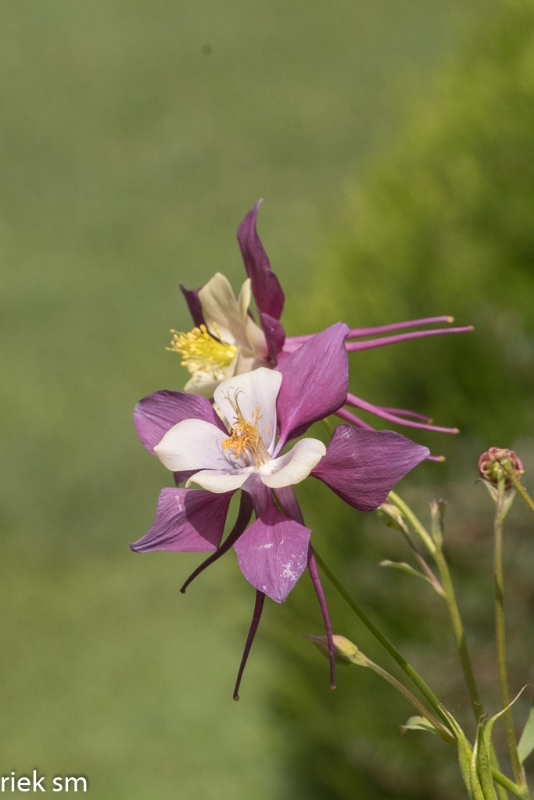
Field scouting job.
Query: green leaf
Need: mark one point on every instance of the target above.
(483, 758)
(465, 759)
(526, 742)
(418, 724)
(404, 567)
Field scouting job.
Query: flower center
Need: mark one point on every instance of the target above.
(202, 352)
(245, 438)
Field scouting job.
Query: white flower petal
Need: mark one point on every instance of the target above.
(256, 390)
(256, 339)
(244, 298)
(193, 444)
(221, 311)
(294, 466)
(218, 481)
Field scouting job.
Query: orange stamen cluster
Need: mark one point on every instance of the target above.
(245, 438)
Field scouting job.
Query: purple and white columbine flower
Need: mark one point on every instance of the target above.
(226, 341)
(265, 409)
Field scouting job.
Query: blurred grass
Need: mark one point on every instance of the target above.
(134, 137)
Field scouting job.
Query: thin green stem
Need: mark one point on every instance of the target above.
(417, 526)
(450, 598)
(521, 489)
(459, 634)
(510, 786)
(501, 637)
(441, 730)
(425, 690)
(456, 620)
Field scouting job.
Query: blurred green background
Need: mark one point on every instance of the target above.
(394, 145)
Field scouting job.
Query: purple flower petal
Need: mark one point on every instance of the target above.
(362, 466)
(159, 412)
(193, 303)
(275, 335)
(273, 553)
(265, 285)
(315, 382)
(187, 521)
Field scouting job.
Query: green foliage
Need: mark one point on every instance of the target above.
(442, 224)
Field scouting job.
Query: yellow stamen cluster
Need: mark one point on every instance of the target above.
(246, 438)
(201, 352)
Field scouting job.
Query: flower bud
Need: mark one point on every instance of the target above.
(392, 517)
(497, 463)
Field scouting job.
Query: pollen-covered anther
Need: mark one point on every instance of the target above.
(202, 352)
(245, 438)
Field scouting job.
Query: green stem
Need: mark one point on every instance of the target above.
(521, 489)
(459, 634)
(416, 525)
(510, 786)
(384, 641)
(440, 729)
(501, 637)
(450, 598)
(456, 620)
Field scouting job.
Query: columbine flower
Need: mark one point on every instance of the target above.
(189, 437)
(227, 341)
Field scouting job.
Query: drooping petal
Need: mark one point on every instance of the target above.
(187, 521)
(265, 285)
(273, 553)
(294, 466)
(216, 480)
(255, 390)
(315, 384)
(193, 304)
(362, 466)
(193, 444)
(156, 414)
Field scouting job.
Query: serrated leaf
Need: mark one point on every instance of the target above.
(526, 742)
(418, 724)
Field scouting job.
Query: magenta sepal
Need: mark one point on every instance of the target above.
(315, 382)
(266, 287)
(187, 521)
(362, 466)
(273, 553)
(275, 335)
(193, 303)
(156, 414)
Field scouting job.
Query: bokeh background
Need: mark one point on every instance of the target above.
(393, 143)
